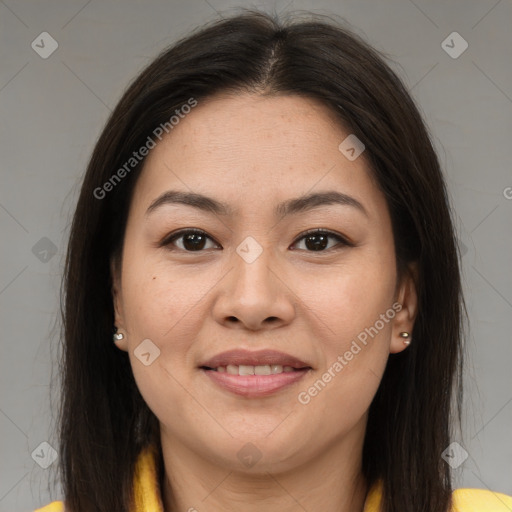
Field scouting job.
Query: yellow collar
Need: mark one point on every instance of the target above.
(148, 496)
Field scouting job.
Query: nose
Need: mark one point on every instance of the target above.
(255, 295)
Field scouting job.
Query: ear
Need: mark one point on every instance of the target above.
(115, 272)
(407, 297)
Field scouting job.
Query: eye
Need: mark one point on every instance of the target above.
(193, 240)
(317, 240)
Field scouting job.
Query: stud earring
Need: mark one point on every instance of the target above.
(118, 336)
(405, 335)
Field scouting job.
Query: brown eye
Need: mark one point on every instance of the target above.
(192, 240)
(318, 240)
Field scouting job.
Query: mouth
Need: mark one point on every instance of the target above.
(266, 369)
(254, 374)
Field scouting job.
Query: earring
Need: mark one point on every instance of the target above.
(405, 335)
(118, 336)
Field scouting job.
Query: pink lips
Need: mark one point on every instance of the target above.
(254, 386)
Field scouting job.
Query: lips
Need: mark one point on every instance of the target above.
(254, 374)
(255, 386)
(253, 358)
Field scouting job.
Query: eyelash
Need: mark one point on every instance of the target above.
(342, 241)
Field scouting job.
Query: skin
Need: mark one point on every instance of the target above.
(252, 152)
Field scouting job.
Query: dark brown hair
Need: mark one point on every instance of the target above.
(104, 422)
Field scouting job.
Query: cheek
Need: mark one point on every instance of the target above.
(357, 311)
(350, 296)
(163, 389)
(158, 302)
(354, 305)
(159, 307)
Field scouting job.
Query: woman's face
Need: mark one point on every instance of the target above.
(263, 172)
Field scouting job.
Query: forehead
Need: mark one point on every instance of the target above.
(255, 149)
(257, 126)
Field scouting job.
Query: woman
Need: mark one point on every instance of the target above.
(264, 230)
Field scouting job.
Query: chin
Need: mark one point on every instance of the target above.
(253, 453)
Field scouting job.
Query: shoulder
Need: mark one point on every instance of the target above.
(480, 500)
(54, 506)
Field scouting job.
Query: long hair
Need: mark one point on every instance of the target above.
(104, 421)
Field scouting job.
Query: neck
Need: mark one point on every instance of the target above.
(332, 482)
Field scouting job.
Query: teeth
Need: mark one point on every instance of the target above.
(245, 369)
(232, 369)
(262, 370)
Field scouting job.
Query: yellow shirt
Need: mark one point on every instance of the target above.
(148, 498)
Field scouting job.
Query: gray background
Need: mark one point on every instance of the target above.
(53, 110)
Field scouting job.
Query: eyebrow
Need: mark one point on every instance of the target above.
(289, 207)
